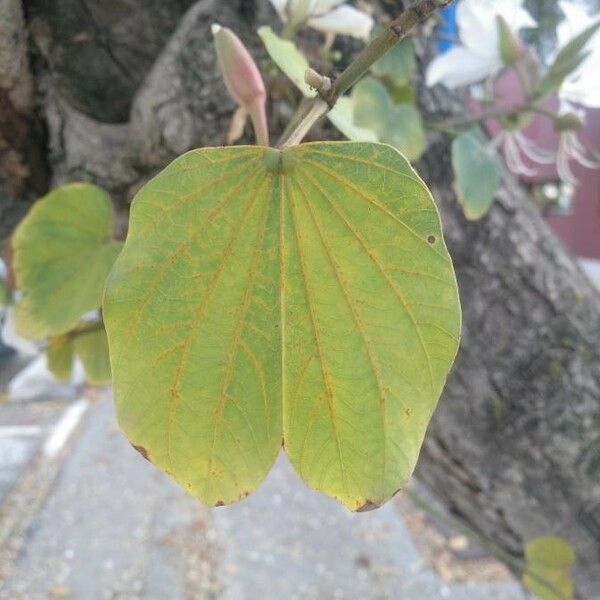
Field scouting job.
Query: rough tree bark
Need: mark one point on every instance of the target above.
(514, 448)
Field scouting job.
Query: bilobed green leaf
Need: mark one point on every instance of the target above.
(548, 563)
(63, 251)
(399, 125)
(59, 357)
(476, 175)
(92, 349)
(293, 63)
(303, 297)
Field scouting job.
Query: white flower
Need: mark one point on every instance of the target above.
(583, 85)
(329, 16)
(479, 55)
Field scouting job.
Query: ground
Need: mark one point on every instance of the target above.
(82, 515)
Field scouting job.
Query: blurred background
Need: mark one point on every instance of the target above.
(109, 92)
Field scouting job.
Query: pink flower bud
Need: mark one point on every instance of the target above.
(242, 78)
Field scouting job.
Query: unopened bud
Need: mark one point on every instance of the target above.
(511, 48)
(566, 122)
(242, 78)
(241, 75)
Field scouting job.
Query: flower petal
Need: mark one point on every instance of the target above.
(477, 26)
(320, 7)
(344, 20)
(459, 66)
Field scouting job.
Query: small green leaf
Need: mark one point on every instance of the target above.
(398, 64)
(5, 294)
(476, 175)
(59, 355)
(567, 61)
(63, 251)
(288, 58)
(302, 296)
(293, 63)
(549, 560)
(92, 349)
(371, 105)
(399, 125)
(342, 116)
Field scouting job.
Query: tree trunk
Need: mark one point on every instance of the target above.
(514, 448)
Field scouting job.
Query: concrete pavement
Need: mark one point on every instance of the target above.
(109, 525)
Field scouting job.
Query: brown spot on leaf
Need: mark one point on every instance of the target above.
(142, 451)
(407, 412)
(431, 239)
(220, 503)
(367, 506)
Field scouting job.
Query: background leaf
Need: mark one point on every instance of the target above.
(63, 251)
(398, 64)
(566, 62)
(5, 294)
(59, 355)
(399, 125)
(304, 295)
(549, 559)
(288, 58)
(342, 116)
(293, 63)
(476, 175)
(92, 349)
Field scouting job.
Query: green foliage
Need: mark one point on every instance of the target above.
(566, 61)
(5, 294)
(63, 251)
(397, 65)
(399, 125)
(549, 560)
(293, 63)
(303, 296)
(342, 116)
(287, 57)
(59, 355)
(476, 175)
(92, 349)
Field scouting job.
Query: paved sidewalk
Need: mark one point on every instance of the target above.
(114, 527)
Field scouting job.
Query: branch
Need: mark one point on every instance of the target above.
(395, 32)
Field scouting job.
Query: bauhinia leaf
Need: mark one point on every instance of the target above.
(5, 294)
(302, 296)
(342, 116)
(293, 63)
(92, 349)
(59, 355)
(548, 563)
(476, 175)
(399, 125)
(398, 64)
(63, 251)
